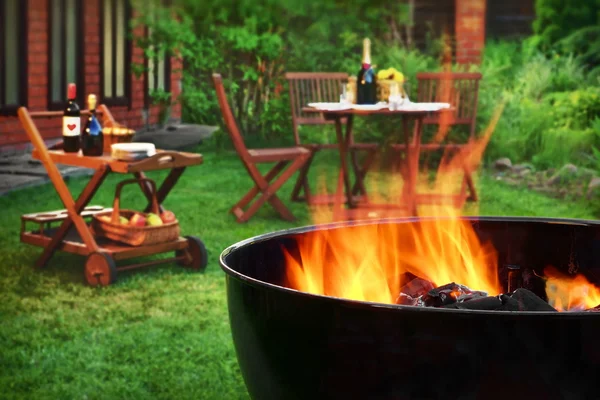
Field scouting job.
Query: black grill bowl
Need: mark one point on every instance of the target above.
(294, 345)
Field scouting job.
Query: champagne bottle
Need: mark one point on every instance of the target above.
(92, 139)
(366, 85)
(71, 128)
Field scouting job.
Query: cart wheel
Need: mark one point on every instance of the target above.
(100, 269)
(196, 256)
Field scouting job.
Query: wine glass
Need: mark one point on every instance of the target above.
(394, 100)
(344, 96)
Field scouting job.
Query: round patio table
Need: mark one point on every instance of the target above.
(412, 143)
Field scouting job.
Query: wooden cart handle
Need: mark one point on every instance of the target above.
(116, 202)
(164, 159)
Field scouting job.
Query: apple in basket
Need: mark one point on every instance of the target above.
(107, 218)
(153, 220)
(137, 220)
(167, 217)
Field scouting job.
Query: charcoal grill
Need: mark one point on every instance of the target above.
(295, 345)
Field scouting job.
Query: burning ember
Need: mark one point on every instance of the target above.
(570, 293)
(438, 261)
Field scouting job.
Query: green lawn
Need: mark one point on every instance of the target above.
(161, 332)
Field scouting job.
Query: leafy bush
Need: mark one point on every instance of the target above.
(585, 44)
(576, 109)
(562, 145)
(550, 105)
(556, 19)
(570, 27)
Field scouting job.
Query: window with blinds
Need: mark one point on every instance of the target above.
(115, 52)
(13, 53)
(65, 52)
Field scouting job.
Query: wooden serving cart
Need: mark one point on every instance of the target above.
(73, 233)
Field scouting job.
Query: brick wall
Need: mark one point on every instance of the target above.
(470, 30)
(12, 135)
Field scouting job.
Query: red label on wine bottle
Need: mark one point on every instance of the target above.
(71, 126)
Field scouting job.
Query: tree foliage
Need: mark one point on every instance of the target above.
(569, 27)
(556, 19)
(253, 42)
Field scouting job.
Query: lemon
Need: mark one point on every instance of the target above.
(383, 74)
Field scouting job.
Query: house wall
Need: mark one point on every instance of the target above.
(470, 30)
(432, 18)
(11, 133)
(471, 23)
(510, 18)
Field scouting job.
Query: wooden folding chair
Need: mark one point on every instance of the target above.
(308, 87)
(461, 90)
(265, 187)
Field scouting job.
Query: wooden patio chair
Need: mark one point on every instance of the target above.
(461, 90)
(265, 187)
(309, 87)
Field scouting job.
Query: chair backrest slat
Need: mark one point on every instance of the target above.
(309, 87)
(231, 125)
(460, 89)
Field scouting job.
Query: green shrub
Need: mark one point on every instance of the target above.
(562, 145)
(569, 27)
(550, 107)
(556, 19)
(576, 109)
(585, 44)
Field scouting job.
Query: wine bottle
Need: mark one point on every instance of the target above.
(366, 84)
(92, 139)
(71, 128)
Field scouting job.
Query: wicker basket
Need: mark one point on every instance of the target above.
(133, 235)
(116, 134)
(384, 88)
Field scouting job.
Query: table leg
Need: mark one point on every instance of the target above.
(413, 151)
(344, 144)
(359, 187)
(359, 184)
(163, 190)
(74, 209)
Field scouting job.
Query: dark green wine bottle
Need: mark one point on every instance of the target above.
(366, 81)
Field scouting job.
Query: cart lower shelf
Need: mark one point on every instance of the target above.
(73, 244)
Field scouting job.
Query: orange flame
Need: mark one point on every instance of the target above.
(570, 293)
(366, 262)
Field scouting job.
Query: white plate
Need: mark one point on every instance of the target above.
(330, 106)
(369, 107)
(423, 106)
(132, 151)
(136, 147)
